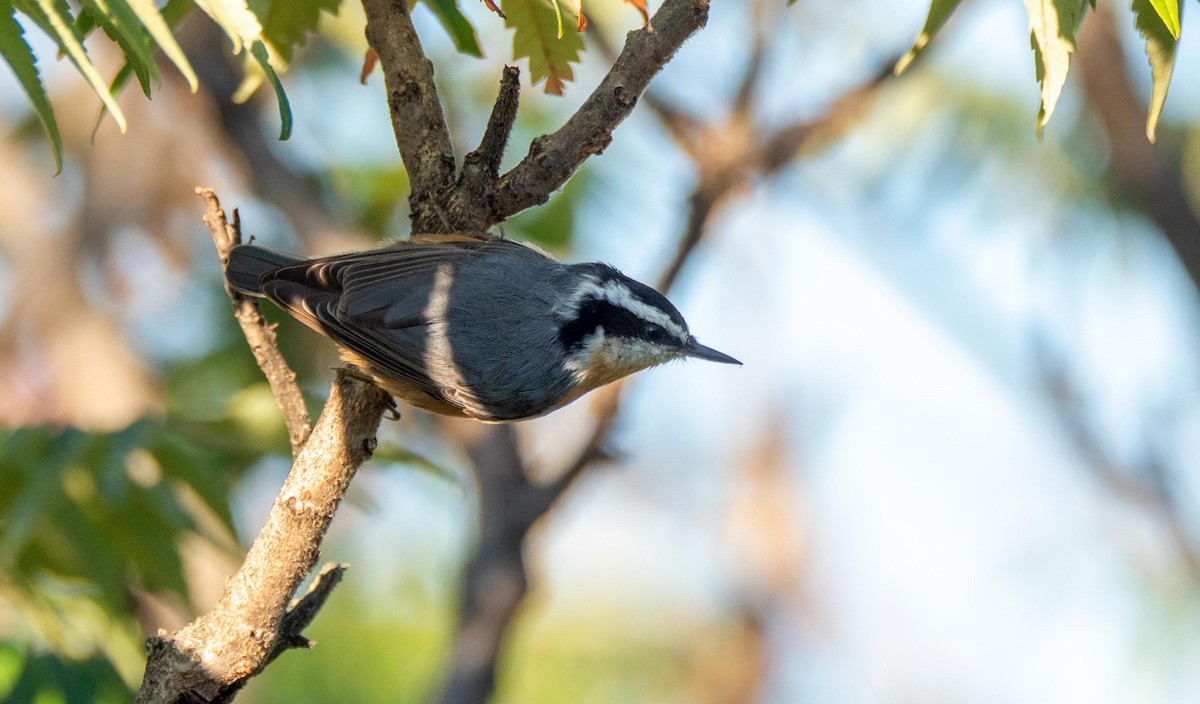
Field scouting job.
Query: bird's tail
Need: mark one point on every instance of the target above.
(248, 263)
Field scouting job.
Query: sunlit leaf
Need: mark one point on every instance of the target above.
(159, 28)
(20, 59)
(939, 12)
(456, 25)
(54, 16)
(537, 36)
(1052, 24)
(235, 18)
(1160, 50)
(1168, 11)
(122, 25)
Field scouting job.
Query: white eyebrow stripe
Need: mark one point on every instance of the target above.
(618, 294)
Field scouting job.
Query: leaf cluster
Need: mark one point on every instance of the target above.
(1053, 28)
(264, 33)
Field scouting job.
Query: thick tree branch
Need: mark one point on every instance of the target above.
(554, 157)
(259, 334)
(417, 119)
(1148, 176)
(219, 651)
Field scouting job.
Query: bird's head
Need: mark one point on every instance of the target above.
(613, 326)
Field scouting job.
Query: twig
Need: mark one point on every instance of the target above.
(481, 168)
(554, 157)
(417, 118)
(299, 616)
(500, 123)
(1152, 493)
(222, 649)
(259, 334)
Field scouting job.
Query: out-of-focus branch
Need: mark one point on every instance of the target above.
(417, 118)
(1144, 485)
(296, 195)
(727, 156)
(1149, 176)
(259, 334)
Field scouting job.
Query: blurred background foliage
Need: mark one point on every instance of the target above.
(959, 465)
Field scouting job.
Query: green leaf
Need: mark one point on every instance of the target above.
(457, 26)
(1052, 25)
(1168, 11)
(286, 23)
(1160, 50)
(54, 17)
(536, 35)
(939, 11)
(160, 29)
(20, 59)
(259, 51)
(121, 24)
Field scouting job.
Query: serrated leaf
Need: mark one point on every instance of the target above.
(457, 26)
(1160, 50)
(259, 51)
(286, 23)
(1052, 25)
(939, 12)
(122, 26)
(536, 36)
(157, 25)
(20, 59)
(1168, 11)
(54, 17)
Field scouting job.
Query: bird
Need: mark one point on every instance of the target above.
(474, 325)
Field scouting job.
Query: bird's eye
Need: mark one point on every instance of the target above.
(655, 333)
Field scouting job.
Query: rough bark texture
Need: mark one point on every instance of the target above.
(554, 157)
(260, 335)
(212, 658)
(417, 119)
(225, 647)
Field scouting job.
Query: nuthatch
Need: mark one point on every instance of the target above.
(472, 325)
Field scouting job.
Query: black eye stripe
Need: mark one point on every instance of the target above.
(595, 313)
(638, 290)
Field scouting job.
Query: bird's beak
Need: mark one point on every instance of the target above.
(699, 351)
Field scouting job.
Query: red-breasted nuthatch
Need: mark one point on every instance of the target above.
(472, 325)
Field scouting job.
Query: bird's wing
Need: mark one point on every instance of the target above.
(379, 303)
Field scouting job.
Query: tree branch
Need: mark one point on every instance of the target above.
(417, 119)
(222, 649)
(259, 334)
(212, 658)
(554, 157)
(1142, 484)
(470, 203)
(1149, 177)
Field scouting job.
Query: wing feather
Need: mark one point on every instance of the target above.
(374, 304)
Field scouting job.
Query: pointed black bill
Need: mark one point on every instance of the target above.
(698, 351)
